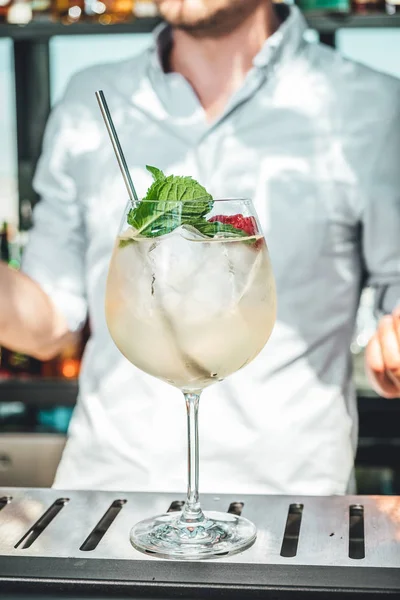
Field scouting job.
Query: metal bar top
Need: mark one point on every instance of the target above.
(349, 543)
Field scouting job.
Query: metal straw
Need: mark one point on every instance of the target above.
(117, 146)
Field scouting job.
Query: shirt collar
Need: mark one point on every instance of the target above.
(162, 42)
(283, 44)
(286, 41)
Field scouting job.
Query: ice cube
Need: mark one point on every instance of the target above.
(196, 277)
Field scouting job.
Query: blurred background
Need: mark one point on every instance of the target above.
(42, 43)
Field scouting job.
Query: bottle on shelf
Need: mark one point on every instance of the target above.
(365, 7)
(4, 7)
(109, 11)
(19, 12)
(4, 247)
(320, 7)
(145, 8)
(5, 257)
(392, 7)
(23, 366)
(68, 11)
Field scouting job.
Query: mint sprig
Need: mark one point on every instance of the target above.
(170, 202)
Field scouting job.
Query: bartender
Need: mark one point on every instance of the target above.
(230, 93)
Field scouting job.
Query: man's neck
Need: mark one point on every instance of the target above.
(217, 66)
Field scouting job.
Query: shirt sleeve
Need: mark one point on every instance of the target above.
(381, 218)
(55, 254)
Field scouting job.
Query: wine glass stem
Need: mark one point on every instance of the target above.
(192, 511)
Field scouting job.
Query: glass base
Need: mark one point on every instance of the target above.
(219, 534)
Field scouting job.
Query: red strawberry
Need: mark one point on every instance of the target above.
(247, 224)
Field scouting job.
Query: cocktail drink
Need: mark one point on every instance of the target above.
(190, 300)
(187, 310)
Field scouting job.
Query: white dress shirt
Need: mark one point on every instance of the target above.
(314, 140)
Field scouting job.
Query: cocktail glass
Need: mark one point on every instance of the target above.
(191, 307)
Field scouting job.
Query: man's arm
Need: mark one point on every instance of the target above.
(29, 321)
(41, 305)
(381, 245)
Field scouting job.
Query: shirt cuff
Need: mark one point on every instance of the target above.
(387, 299)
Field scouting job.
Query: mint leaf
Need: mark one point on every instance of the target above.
(176, 188)
(157, 173)
(174, 201)
(217, 228)
(151, 219)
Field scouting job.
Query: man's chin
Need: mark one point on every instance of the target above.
(203, 21)
(178, 14)
(203, 29)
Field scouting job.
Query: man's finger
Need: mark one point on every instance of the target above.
(374, 356)
(396, 323)
(386, 382)
(389, 344)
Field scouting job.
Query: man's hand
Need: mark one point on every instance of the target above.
(382, 357)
